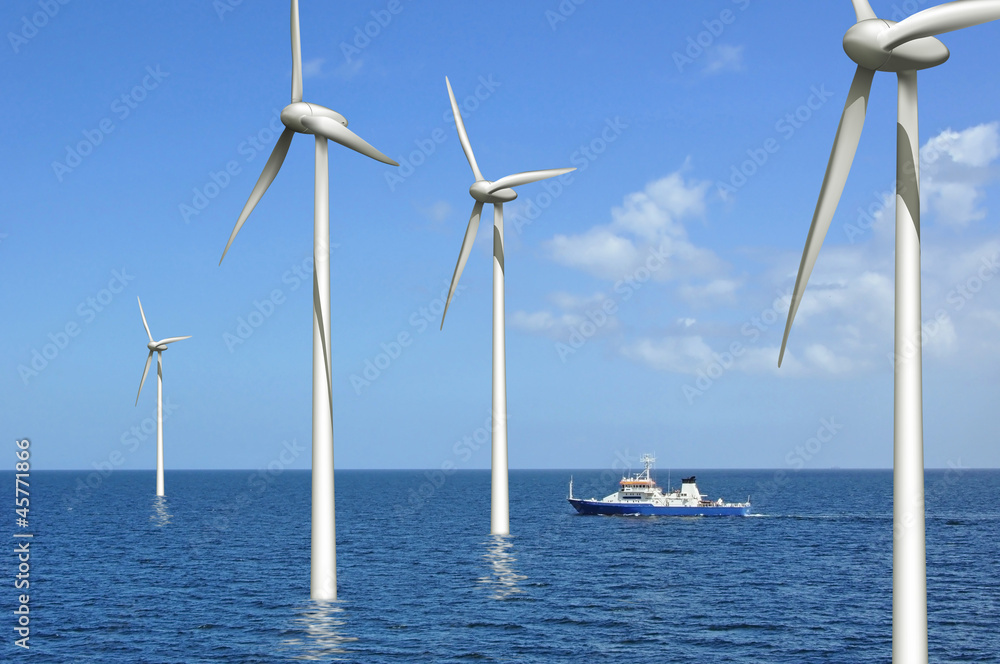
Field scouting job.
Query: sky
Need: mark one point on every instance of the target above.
(646, 293)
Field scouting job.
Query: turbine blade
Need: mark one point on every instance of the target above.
(296, 55)
(863, 10)
(143, 381)
(463, 255)
(338, 133)
(173, 339)
(524, 178)
(845, 144)
(144, 323)
(463, 137)
(940, 19)
(271, 169)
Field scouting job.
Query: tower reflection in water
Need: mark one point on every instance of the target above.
(318, 632)
(502, 578)
(160, 515)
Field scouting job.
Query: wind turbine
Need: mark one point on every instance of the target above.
(902, 48)
(158, 347)
(325, 124)
(497, 193)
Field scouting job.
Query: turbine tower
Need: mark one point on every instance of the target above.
(158, 347)
(496, 193)
(308, 118)
(902, 48)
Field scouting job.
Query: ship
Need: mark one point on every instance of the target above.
(639, 495)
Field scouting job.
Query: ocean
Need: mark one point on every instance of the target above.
(218, 570)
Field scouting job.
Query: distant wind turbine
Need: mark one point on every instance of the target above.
(497, 193)
(325, 124)
(158, 347)
(903, 48)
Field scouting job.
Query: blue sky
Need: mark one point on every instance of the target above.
(700, 132)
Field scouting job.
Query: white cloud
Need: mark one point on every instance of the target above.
(954, 169)
(574, 312)
(313, 68)
(724, 57)
(316, 68)
(539, 321)
(826, 360)
(657, 209)
(646, 230)
(348, 70)
(565, 300)
(436, 212)
(599, 251)
(676, 354)
(711, 292)
(976, 146)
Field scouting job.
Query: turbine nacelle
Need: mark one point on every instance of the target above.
(480, 191)
(862, 44)
(158, 346)
(292, 115)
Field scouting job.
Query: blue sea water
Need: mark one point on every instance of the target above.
(218, 571)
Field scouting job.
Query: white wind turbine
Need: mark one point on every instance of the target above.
(325, 124)
(497, 193)
(903, 48)
(158, 347)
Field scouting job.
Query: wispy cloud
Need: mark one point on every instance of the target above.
(316, 68)
(436, 212)
(313, 68)
(723, 58)
(571, 311)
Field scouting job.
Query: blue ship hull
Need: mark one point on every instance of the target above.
(598, 507)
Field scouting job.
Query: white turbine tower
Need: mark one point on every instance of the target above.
(903, 48)
(497, 193)
(158, 347)
(325, 124)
